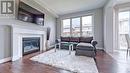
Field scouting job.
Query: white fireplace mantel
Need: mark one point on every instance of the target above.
(18, 32)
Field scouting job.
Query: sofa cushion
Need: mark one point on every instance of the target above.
(65, 39)
(74, 39)
(86, 39)
(85, 46)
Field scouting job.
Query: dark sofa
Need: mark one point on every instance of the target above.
(65, 40)
(84, 46)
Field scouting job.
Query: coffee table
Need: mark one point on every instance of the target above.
(70, 44)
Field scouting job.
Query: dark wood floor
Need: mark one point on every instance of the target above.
(105, 64)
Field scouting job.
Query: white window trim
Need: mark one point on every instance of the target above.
(91, 26)
(80, 24)
(116, 28)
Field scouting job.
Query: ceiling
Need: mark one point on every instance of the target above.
(122, 1)
(61, 7)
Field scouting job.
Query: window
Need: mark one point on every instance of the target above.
(124, 28)
(76, 27)
(87, 26)
(66, 27)
(124, 22)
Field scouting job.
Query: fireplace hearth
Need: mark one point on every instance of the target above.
(31, 45)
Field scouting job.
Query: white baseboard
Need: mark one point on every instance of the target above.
(51, 46)
(5, 60)
(99, 48)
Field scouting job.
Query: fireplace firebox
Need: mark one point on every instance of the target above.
(31, 45)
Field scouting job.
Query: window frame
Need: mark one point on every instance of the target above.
(72, 25)
(80, 24)
(118, 29)
(62, 26)
(91, 26)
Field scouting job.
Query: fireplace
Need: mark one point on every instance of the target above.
(31, 45)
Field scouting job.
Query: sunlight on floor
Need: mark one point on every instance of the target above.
(123, 60)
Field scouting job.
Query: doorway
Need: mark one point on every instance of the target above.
(124, 28)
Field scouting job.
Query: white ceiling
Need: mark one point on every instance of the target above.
(61, 7)
(122, 1)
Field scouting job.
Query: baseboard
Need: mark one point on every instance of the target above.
(99, 48)
(5, 60)
(52, 46)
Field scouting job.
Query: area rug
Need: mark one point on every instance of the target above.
(62, 59)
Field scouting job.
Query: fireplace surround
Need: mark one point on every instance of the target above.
(19, 32)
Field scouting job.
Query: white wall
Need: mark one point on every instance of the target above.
(111, 25)
(50, 21)
(5, 42)
(108, 27)
(98, 23)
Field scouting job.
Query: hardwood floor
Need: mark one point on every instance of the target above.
(105, 64)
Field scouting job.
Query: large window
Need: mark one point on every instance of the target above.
(66, 27)
(124, 28)
(76, 27)
(87, 26)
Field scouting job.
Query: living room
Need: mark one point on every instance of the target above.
(64, 36)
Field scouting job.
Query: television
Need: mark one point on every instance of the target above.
(27, 13)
